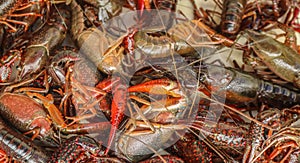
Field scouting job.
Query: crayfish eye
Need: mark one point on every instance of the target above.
(295, 116)
(203, 78)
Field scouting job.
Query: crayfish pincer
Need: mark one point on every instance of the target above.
(25, 114)
(243, 88)
(93, 42)
(40, 45)
(282, 60)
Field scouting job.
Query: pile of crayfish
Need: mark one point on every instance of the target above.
(149, 81)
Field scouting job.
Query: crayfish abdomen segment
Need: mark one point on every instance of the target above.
(19, 147)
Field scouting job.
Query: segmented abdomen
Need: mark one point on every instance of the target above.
(277, 95)
(77, 148)
(18, 147)
(191, 149)
(233, 11)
